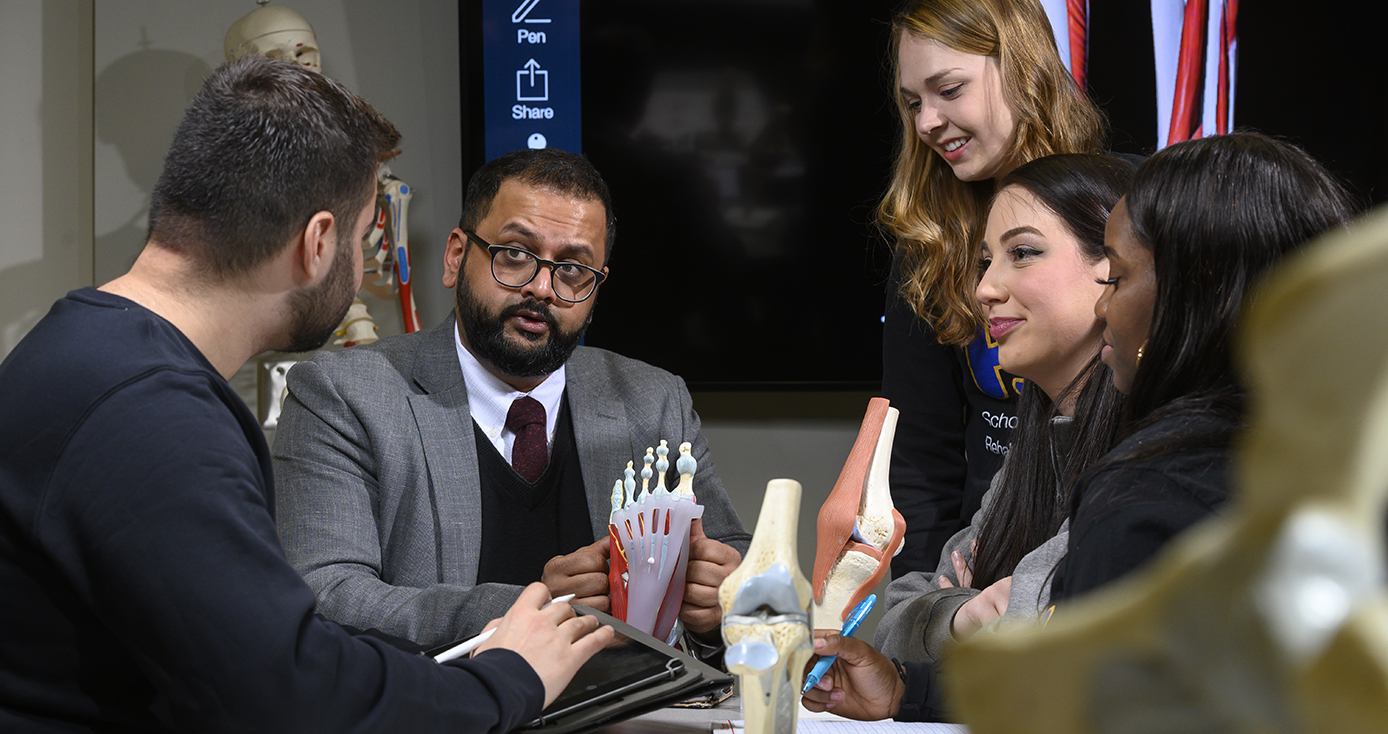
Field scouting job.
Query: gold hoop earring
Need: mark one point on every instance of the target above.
(1140, 347)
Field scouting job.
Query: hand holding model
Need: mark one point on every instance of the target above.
(709, 563)
(582, 573)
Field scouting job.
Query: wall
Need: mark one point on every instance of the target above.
(150, 58)
(45, 72)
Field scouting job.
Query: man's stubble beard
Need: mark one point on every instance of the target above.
(317, 312)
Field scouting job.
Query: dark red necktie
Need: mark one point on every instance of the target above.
(530, 452)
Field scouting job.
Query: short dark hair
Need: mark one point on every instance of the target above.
(567, 173)
(1032, 494)
(1216, 213)
(263, 147)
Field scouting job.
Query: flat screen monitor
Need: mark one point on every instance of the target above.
(745, 143)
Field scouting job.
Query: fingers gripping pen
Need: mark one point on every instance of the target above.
(850, 626)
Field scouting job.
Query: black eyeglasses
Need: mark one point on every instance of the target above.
(514, 267)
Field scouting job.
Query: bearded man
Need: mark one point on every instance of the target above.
(426, 478)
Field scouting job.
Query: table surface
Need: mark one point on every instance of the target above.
(701, 721)
(692, 721)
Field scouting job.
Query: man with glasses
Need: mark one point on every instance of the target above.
(424, 479)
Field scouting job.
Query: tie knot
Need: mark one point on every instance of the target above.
(524, 412)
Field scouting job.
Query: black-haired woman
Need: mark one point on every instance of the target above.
(1201, 224)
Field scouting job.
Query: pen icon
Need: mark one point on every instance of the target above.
(850, 626)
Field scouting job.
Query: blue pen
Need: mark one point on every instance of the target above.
(850, 626)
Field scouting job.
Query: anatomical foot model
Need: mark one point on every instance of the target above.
(650, 543)
(859, 529)
(766, 620)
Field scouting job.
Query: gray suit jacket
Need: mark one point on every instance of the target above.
(377, 495)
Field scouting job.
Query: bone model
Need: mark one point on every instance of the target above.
(650, 543)
(858, 530)
(766, 616)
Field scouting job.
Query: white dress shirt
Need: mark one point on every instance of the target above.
(489, 400)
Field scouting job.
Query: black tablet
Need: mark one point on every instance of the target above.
(634, 674)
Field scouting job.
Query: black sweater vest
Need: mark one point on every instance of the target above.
(523, 524)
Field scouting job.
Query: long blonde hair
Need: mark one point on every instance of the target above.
(934, 218)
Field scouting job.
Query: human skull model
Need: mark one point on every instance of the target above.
(276, 32)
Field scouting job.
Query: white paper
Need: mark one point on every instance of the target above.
(840, 725)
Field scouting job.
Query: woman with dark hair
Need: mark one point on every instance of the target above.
(1200, 224)
(1043, 259)
(1203, 221)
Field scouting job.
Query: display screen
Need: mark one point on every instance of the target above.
(745, 144)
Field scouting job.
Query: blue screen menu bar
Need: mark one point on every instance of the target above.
(531, 81)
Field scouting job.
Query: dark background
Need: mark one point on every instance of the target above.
(746, 144)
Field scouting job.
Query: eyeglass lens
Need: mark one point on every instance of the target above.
(514, 268)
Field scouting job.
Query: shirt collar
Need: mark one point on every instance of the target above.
(489, 398)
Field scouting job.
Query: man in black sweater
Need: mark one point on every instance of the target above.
(145, 586)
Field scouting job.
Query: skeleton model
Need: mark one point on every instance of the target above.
(1195, 47)
(1070, 24)
(858, 530)
(766, 616)
(1274, 617)
(1195, 44)
(650, 543)
(280, 33)
(386, 266)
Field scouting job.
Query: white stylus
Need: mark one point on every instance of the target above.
(472, 643)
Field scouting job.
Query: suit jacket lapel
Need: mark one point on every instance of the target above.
(601, 432)
(450, 451)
